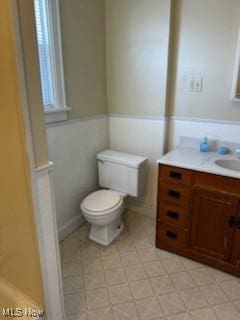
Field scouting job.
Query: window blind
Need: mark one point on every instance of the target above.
(45, 53)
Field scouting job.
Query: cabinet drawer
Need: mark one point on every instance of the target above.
(173, 174)
(172, 237)
(174, 194)
(218, 183)
(172, 214)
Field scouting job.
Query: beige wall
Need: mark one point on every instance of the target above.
(137, 34)
(205, 39)
(83, 39)
(27, 25)
(19, 256)
(137, 53)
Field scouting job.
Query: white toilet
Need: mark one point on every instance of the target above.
(121, 174)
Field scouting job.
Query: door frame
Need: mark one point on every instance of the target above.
(43, 200)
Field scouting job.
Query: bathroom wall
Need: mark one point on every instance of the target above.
(73, 144)
(220, 130)
(137, 55)
(137, 35)
(145, 137)
(83, 40)
(204, 45)
(137, 59)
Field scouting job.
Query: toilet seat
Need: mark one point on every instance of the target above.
(102, 202)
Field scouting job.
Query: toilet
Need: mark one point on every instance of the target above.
(119, 174)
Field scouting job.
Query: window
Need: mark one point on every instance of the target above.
(50, 59)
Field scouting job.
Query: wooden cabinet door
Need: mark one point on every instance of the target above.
(212, 234)
(236, 244)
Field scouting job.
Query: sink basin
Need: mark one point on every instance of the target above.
(230, 164)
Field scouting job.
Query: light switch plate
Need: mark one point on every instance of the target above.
(196, 84)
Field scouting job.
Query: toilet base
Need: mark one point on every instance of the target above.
(106, 234)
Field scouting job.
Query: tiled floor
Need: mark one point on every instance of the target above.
(132, 280)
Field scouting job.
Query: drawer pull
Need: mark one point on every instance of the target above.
(175, 175)
(171, 234)
(174, 194)
(173, 215)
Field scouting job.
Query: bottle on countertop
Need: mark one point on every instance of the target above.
(204, 145)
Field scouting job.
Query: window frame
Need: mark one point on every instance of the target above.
(58, 111)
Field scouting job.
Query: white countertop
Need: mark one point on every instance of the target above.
(191, 158)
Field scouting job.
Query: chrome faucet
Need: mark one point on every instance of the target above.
(237, 152)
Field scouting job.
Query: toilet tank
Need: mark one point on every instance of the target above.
(122, 172)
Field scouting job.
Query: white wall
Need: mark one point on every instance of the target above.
(145, 137)
(73, 146)
(198, 128)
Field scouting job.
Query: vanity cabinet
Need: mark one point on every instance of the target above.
(198, 216)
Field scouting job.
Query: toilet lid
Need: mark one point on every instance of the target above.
(101, 200)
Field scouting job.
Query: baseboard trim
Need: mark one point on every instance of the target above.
(141, 207)
(70, 226)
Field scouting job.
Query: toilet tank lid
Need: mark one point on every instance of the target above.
(126, 159)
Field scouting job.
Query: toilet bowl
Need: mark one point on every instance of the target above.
(103, 210)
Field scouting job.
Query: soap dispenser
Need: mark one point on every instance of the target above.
(204, 146)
